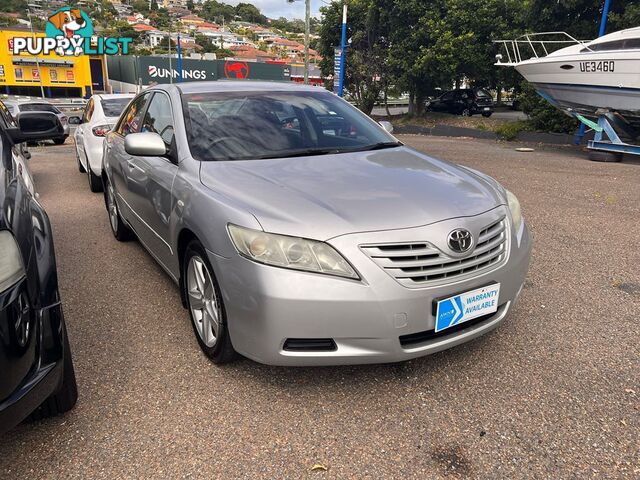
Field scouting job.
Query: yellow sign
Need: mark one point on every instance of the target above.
(73, 74)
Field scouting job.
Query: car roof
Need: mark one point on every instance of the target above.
(23, 101)
(240, 86)
(110, 96)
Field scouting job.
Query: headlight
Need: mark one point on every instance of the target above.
(516, 214)
(290, 252)
(11, 269)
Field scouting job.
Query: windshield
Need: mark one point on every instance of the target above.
(113, 107)
(38, 107)
(255, 125)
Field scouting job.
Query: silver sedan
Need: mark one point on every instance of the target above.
(300, 232)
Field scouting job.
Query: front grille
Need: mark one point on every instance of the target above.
(421, 264)
(310, 345)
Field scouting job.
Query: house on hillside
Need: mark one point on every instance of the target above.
(143, 27)
(250, 54)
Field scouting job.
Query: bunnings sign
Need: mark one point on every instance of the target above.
(161, 70)
(153, 70)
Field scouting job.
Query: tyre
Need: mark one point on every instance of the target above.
(95, 183)
(600, 156)
(205, 305)
(487, 114)
(80, 167)
(67, 396)
(466, 112)
(59, 140)
(120, 230)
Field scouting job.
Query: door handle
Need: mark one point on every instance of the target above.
(133, 166)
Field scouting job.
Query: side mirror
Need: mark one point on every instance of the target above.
(75, 120)
(145, 144)
(387, 126)
(34, 126)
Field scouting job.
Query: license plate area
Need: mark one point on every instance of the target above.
(460, 308)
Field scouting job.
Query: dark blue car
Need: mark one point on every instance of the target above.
(36, 370)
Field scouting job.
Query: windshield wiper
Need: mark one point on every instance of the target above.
(299, 153)
(308, 152)
(376, 146)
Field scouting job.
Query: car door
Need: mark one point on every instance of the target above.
(151, 180)
(81, 132)
(443, 104)
(122, 169)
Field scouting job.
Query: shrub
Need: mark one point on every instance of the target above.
(509, 131)
(543, 116)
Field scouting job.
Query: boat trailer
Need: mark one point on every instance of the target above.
(606, 139)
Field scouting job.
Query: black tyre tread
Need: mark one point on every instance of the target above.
(64, 399)
(60, 140)
(95, 183)
(123, 233)
(80, 167)
(601, 156)
(223, 352)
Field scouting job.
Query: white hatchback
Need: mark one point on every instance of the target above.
(100, 114)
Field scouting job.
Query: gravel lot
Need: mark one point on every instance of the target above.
(553, 393)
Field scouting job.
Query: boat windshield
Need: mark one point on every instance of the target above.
(625, 44)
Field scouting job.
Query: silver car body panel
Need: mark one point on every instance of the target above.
(348, 200)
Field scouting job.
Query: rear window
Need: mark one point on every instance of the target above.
(38, 107)
(482, 93)
(113, 107)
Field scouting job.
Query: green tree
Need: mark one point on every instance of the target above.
(14, 6)
(206, 44)
(365, 73)
(140, 6)
(215, 11)
(250, 13)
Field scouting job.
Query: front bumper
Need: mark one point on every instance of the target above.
(365, 319)
(45, 376)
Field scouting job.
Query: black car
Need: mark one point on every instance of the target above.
(464, 101)
(36, 370)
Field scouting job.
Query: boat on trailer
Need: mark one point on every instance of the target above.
(596, 81)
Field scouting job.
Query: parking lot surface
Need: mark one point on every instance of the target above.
(552, 393)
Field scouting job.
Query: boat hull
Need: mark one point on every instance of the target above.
(588, 82)
(589, 99)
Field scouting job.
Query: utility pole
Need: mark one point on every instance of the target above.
(33, 35)
(307, 28)
(343, 48)
(307, 32)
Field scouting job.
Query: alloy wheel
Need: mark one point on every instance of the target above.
(203, 302)
(113, 209)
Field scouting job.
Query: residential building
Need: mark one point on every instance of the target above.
(250, 54)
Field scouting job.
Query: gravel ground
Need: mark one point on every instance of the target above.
(553, 393)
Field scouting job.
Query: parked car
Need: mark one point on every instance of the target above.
(40, 105)
(36, 370)
(99, 116)
(300, 232)
(465, 102)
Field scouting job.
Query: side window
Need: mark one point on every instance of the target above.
(131, 120)
(448, 96)
(158, 118)
(6, 114)
(88, 111)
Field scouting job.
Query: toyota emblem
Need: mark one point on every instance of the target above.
(460, 240)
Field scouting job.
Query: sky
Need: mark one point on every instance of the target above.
(281, 8)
